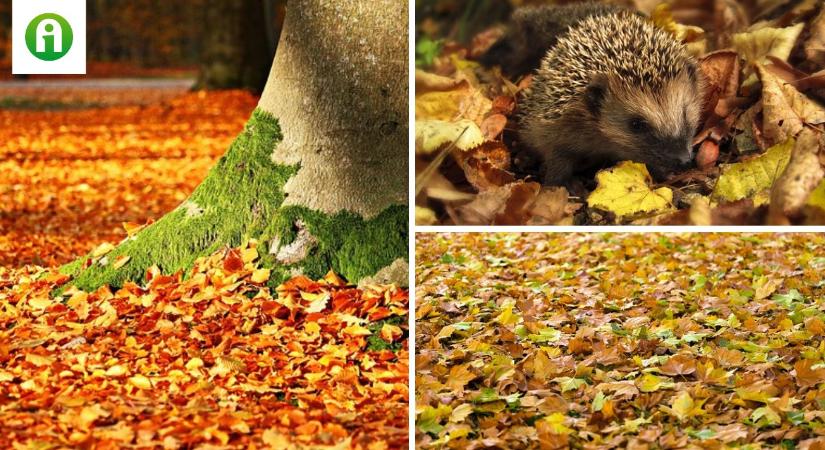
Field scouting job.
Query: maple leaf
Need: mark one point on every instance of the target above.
(459, 377)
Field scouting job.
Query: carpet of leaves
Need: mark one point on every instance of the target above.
(217, 360)
(760, 147)
(72, 177)
(601, 341)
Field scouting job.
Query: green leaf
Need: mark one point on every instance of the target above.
(796, 417)
(429, 419)
(765, 417)
(702, 434)
(787, 300)
(598, 402)
(570, 384)
(699, 282)
(426, 51)
(486, 395)
(545, 335)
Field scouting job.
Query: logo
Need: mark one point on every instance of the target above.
(49, 37)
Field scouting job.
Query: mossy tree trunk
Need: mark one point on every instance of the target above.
(318, 176)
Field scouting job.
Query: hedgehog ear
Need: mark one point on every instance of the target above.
(594, 93)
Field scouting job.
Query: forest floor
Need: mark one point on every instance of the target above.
(624, 340)
(72, 175)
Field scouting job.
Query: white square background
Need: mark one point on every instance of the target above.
(73, 62)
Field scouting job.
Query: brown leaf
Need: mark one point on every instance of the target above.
(785, 110)
(791, 190)
(679, 365)
(806, 376)
(493, 125)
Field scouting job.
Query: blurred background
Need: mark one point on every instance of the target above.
(223, 44)
(169, 85)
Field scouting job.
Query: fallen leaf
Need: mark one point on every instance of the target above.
(752, 176)
(625, 190)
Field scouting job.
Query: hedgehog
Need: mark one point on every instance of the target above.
(535, 29)
(613, 87)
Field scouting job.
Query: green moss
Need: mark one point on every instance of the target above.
(376, 343)
(241, 192)
(348, 244)
(240, 199)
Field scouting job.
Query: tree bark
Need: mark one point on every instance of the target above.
(319, 175)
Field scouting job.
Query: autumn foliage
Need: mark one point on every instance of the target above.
(216, 360)
(72, 177)
(604, 341)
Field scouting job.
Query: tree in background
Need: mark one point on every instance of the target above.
(319, 175)
(236, 45)
(231, 43)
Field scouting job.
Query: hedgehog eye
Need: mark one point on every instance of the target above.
(638, 125)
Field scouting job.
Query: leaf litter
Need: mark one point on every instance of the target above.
(764, 68)
(619, 340)
(73, 179)
(216, 360)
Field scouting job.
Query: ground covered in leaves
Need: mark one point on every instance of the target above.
(216, 360)
(72, 175)
(760, 147)
(620, 341)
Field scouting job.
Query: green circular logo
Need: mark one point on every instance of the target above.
(49, 37)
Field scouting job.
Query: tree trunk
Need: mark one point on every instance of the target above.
(319, 175)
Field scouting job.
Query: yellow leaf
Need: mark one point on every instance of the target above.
(249, 254)
(431, 135)
(117, 371)
(88, 415)
(460, 102)
(461, 412)
(817, 197)
(683, 407)
(424, 216)
(764, 287)
(317, 302)
(102, 249)
(38, 360)
(194, 363)
(260, 275)
(40, 302)
(140, 381)
(121, 261)
(356, 330)
(625, 190)
(507, 316)
(652, 383)
(748, 178)
(755, 46)
(663, 19)
(556, 423)
(459, 376)
(390, 333)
